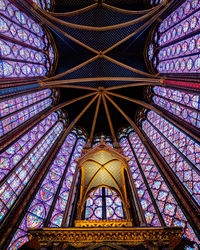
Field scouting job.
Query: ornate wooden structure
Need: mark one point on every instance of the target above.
(139, 188)
(103, 166)
(153, 238)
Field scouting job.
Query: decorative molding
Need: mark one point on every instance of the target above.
(156, 236)
(102, 146)
(103, 223)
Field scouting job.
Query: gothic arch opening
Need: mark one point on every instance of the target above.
(99, 96)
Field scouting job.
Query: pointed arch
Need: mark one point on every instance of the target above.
(103, 203)
(51, 197)
(144, 168)
(169, 140)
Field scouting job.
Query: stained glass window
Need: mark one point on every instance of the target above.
(40, 206)
(177, 40)
(166, 203)
(171, 142)
(17, 110)
(150, 51)
(25, 48)
(155, 2)
(12, 187)
(12, 105)
(11, 156)
(188, 99)
(104, 138)
(58, 212)
(185, 105)
(143, 194)
(103, 203)
(44, 4)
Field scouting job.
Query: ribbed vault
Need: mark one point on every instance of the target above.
(102, 166)
(101, 84)
(96, 33)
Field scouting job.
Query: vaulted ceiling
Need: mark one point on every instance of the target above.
(92, 37)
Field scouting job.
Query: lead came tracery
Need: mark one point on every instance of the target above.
(25, 46)
(15, 111)
(186, 172)
(176, 43)
(185, 105)
(43, 158)
(151, 187)
(103, 203)
(12, 187)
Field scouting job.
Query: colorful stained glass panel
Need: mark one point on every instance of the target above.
(25, 44)
(181, 168)
(164, 198)
(143, 194)
(57, 214)
(11, 122)
(11, 157)
(39, 208)
(188, 115)
(95, 205)
(12, 188)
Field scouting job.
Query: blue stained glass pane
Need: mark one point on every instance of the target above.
(13, 121)
(17, 181)
(10, 157)
(181, 168)
(94, 205)
(66, 186)
(40, 206)
(144, 197)
(150, 52)
(28, 53)
(18, 89)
